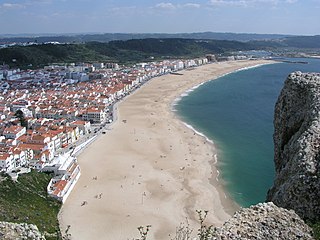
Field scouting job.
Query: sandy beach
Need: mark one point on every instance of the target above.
(149, 169)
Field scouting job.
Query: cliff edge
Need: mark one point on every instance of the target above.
(264, 221)
(17, 231)
(297, 146)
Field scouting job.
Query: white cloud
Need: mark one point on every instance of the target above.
(171, 6)
(191, 5)
(228, 2)
(11, 6)
(247, 3)
(37, 2)
(23, 4)
(123, 11)
(40, 1)
(166, 6)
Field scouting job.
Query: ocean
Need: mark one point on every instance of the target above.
(236, 113)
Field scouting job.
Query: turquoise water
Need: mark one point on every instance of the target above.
(236, 112)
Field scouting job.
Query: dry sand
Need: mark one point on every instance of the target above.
(149, 169)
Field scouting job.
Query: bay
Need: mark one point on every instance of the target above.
(236, 112)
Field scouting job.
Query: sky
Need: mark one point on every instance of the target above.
(297, 17)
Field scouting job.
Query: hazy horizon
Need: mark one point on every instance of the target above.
(142, 33)
(287, 17)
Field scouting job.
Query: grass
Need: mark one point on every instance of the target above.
(26, 201)
(316, 230)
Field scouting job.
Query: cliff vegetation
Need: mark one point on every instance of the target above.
(26, 201)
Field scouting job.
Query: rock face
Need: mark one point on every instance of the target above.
(297, 146)
(264, 221)
(15, 231)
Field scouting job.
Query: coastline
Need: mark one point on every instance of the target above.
(148, 168)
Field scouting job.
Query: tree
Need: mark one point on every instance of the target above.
(20, 115)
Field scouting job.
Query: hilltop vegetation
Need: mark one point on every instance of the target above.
(118, 51)
(136, 50)
(270, 39)
(40, 55)
(302, 42)
(180, 47)
(27, 201)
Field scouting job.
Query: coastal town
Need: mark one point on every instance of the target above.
(49, 115)
(160, 120)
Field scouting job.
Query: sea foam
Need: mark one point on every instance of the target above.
(198, 133)
(185, 94)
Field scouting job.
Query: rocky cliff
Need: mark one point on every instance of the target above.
(297, 181)
(264, 221)
(297, 146)
(15, 231)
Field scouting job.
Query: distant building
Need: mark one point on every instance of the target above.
(240, 57)
(94, 115)
(211, 58)
(14, 132)
(98, 65)
(225, 58)
(84, 126)
(112, 66)
(6, 162)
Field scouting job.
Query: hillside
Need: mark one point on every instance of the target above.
(26, 201)
(40, 55)
(119, 51)
(302, 41)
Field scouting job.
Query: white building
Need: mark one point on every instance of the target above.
(83, 126)
(94, 115)
(6, 162)
(98, 65)
(19, 158)
(67, 175)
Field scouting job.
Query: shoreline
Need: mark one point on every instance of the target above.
(149, 169)
(215, 180)
(231, 206)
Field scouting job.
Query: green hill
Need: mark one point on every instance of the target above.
(136, 50)
(302, 42)
(118, 51)
(40, 55)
